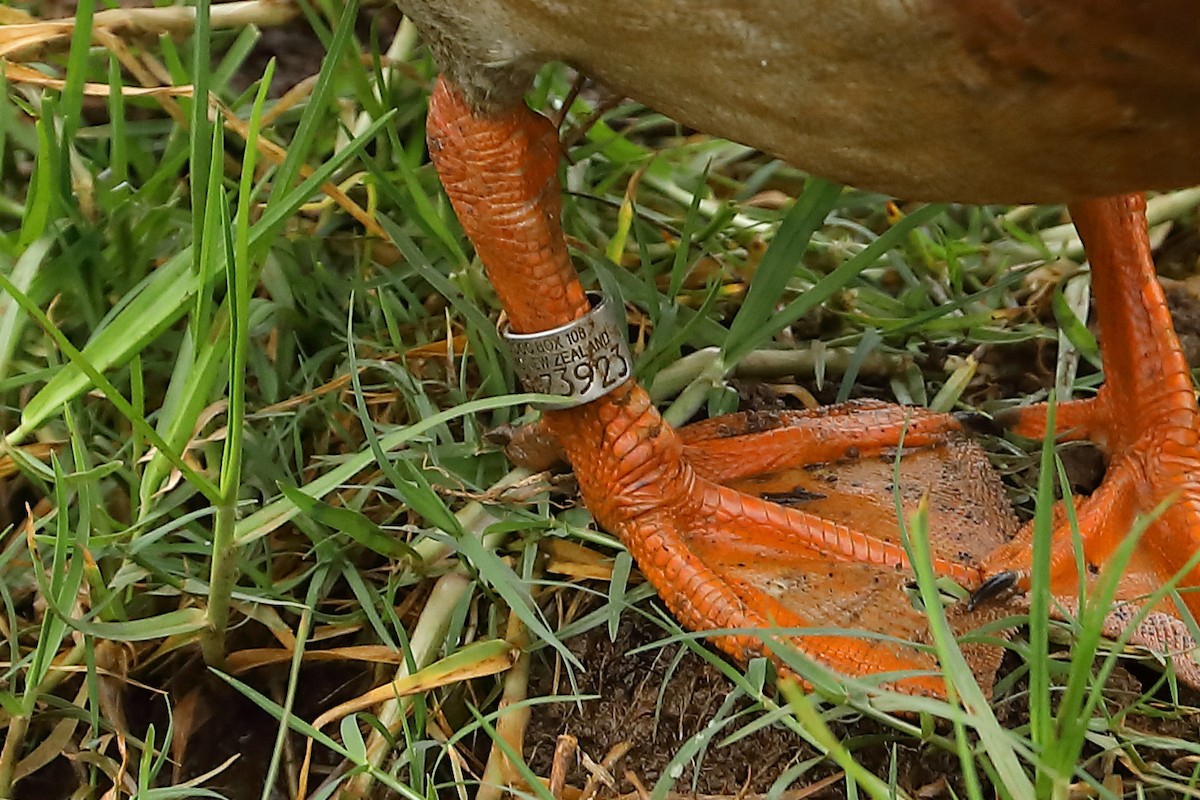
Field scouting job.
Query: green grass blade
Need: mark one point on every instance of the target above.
(777, 268)
(41, 201)
(1041, 715)
(318, 104)
(281, 511)
(960, 681)
(12, 317)
(81, 362)
(354, 524)
(163, 299)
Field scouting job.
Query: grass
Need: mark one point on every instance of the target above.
(248, 366)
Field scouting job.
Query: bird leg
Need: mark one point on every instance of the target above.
(1144, 418)
(720, 558)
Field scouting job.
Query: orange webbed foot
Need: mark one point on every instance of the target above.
(760, 521)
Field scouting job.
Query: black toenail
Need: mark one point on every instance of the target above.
(993, 586)
(978, 422)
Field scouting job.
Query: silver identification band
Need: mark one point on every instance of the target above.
(581, 361)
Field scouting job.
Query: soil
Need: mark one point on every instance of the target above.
(657, 699)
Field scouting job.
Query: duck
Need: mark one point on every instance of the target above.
(968, 101)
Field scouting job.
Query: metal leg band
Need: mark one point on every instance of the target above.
(580, 361)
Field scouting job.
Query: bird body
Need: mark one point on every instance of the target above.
(948, 100)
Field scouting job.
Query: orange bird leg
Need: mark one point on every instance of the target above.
(1144, 417)
(719, 558)
(1073, 421)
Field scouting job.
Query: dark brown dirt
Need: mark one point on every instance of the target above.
(660, 698)
(212, 723)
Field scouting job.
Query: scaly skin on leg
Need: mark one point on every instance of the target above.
(1145, 418)
(1074, 420)
(752, 443)
(688, 535)
(739, 445)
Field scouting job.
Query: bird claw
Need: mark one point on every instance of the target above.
(992, 588)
